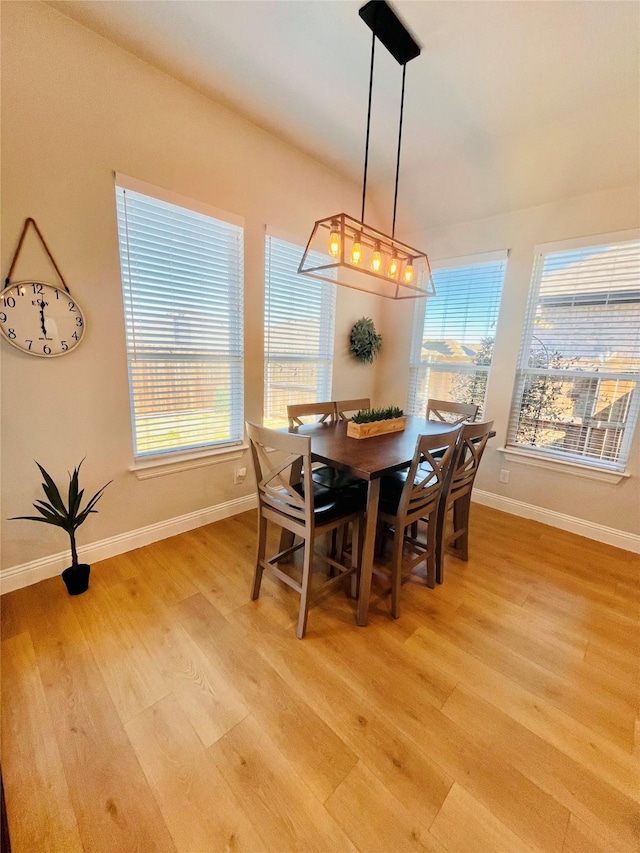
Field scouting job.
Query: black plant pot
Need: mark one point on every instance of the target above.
(77, 580)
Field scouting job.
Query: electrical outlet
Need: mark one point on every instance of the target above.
(239, 476)
(504, 475)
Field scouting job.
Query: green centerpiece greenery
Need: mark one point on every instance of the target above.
(367, 416)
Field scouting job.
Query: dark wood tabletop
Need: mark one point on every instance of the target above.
(368, 458)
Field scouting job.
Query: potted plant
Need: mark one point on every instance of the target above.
(69, 517)
(369, 422)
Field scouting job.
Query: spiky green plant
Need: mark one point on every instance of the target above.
(69, 517)
(366, 416)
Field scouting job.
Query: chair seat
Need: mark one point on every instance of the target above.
(334, 478)
(329, 504)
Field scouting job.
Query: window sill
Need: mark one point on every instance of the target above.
(559, 465)
(179, 462)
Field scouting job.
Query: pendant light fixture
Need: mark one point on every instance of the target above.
(357, 255)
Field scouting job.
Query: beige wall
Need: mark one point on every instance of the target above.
(615, 506)
(74, 110)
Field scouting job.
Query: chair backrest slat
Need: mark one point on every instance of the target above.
(473, 440)
(450, 412)
(428, 473)
(344, 408)
(277, 476)
(322, 411)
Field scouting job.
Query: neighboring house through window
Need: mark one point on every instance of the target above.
(576, 396)
(454, 332)
(182, 281)
(299, 321)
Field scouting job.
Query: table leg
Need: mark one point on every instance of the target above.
(373, 496)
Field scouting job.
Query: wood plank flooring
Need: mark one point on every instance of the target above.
(165, 711)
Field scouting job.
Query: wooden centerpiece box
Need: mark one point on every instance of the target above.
(376, 422)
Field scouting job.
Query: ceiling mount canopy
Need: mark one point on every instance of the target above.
(352, 253)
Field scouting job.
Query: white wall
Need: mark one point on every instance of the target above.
(75, 109)
(615, 506)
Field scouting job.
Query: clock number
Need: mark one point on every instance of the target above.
(11, 333)
(3, 317)
(27, 341)
(75, 336)
(72, 306)
(37, 287)
(65, 346)
(46, 350)
(9, 302)
(57, 294)
(79, 322)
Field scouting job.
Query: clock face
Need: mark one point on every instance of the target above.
(40, 319)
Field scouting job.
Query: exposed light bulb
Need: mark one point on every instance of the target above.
(393, 267)
(334, 240)
(376, 261)
(356, 251)
(408, 272)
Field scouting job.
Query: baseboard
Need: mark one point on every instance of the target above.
(26, 574)
(608, 535)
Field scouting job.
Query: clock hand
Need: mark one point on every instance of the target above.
(44, 328)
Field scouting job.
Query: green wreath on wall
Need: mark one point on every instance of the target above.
(365, 341)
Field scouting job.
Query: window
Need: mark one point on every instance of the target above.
(299, 320)
(182, 285)
(454, 332)
(576, 394)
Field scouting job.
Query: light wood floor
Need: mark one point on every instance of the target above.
(163, 710)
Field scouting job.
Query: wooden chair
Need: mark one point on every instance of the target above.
(414, 496)
(305, 513)
(457, 494)
(450, 413)
(322, 412)
(344, 407)
(324, 475)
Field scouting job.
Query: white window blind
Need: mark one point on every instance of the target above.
(182, 279)
(454, 332)
(299, 321)
(576, 396)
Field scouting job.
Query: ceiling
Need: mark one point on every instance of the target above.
(509, 105)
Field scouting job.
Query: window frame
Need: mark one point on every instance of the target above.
(161, 461)
(416, 367)
(557, 459)
(327, 293)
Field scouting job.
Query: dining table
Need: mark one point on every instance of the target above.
(369, 459)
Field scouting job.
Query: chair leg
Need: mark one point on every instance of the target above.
(305, 593)
(260, 552)
(355, 558)
(432, 551)
(396, 571)
(461, 510)
(441, 523)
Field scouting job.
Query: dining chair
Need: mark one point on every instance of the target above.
(449, 412)
(306, 513)
(321, 412)
(324, 475)
(412, 496)
(346, 407)
(457, 493)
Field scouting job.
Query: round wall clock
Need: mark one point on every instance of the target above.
(40, 319)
